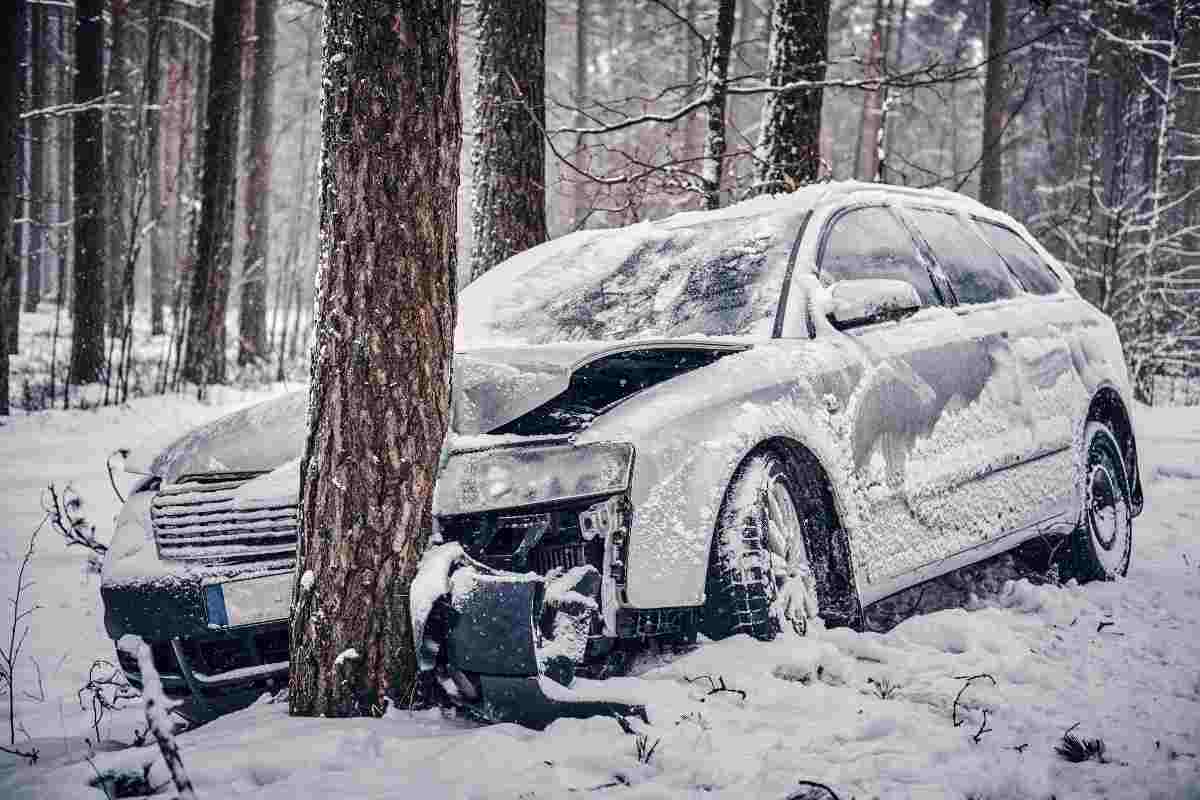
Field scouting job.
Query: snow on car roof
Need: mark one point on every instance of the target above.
(710, 273)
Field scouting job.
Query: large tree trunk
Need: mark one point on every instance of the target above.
(37, 160)
(252, 318)
(995, 104)
(508, 171)
(118, 145)
(205, 362)
(89, 301)
(380, 395)
(10, 112)
(715, 82)
(789, 146)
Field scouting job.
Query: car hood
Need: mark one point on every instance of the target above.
(493, 387)
(255, 439)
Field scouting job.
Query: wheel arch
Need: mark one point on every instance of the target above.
(825, 537)
(1107, 406)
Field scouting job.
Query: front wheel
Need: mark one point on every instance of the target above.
(759, 577)
(1103, 539)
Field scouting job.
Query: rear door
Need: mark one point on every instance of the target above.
(916, 439)
(1015, 440)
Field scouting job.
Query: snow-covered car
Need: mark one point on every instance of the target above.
(723, 422)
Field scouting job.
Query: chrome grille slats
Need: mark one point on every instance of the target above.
(197, 519)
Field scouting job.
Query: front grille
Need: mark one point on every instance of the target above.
(544, 559)
(502, 539)
(196, 520)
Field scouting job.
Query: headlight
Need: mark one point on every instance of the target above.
(522, 476)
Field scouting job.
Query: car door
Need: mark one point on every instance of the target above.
(1016, 437)
(1050, 337)
(913, 441)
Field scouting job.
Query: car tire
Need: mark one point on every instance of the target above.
(759, 577)
(1102, 542)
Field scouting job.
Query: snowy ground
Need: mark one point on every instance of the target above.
(867, 714)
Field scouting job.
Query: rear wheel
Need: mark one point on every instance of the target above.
(759, 576)
(1103, 540)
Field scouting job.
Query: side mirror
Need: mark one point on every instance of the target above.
(861, 302)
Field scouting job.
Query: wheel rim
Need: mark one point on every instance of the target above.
(789, 579)
(1109, 522)
(1102, 507)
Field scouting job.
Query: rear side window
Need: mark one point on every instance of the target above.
(976, 273)
(871, 243)
(1023, 259)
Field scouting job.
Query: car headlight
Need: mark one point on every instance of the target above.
(522, 476)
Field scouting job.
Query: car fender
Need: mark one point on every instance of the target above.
(691, 434)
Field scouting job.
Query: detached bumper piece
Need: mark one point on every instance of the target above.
(505, 646)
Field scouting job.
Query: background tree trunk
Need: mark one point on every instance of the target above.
(380, 394)
(12, 295)
(995, 104)
(205, 362)
(579, 192)
(789, 146)
(37, 160)
(716, 76)
(65, 131)
(508, 184)
(866, 163)
(89, 301)
(118, 183)
(252, 318)
(10, 110)
(158, 142)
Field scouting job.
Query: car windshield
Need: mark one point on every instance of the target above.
(694, 274)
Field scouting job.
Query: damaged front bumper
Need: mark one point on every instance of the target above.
(506, 645)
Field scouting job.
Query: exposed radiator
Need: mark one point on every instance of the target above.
(196, 519)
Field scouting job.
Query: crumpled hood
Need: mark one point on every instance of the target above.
(261, 437)
(495, 386)
(492, 387)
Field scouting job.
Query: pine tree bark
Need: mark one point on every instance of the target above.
(10, 113)
(995, 105)
(252, 317)
(205, 362)
(37, 160)
(715, 83)
(789, 146)
(118, 146)
(89, 303)
(508, 170)
(380, 394)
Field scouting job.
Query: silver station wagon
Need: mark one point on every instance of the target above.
(739, 421)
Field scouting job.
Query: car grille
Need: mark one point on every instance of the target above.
(196, 520)
(495, 538)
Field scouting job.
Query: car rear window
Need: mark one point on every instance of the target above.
(871, 243)
(1022, 258)
(975, 272)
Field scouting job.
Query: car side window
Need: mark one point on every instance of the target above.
(870, 242)
(975, 272)
(1022, 258)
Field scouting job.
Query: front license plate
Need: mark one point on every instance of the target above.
(249, 601)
